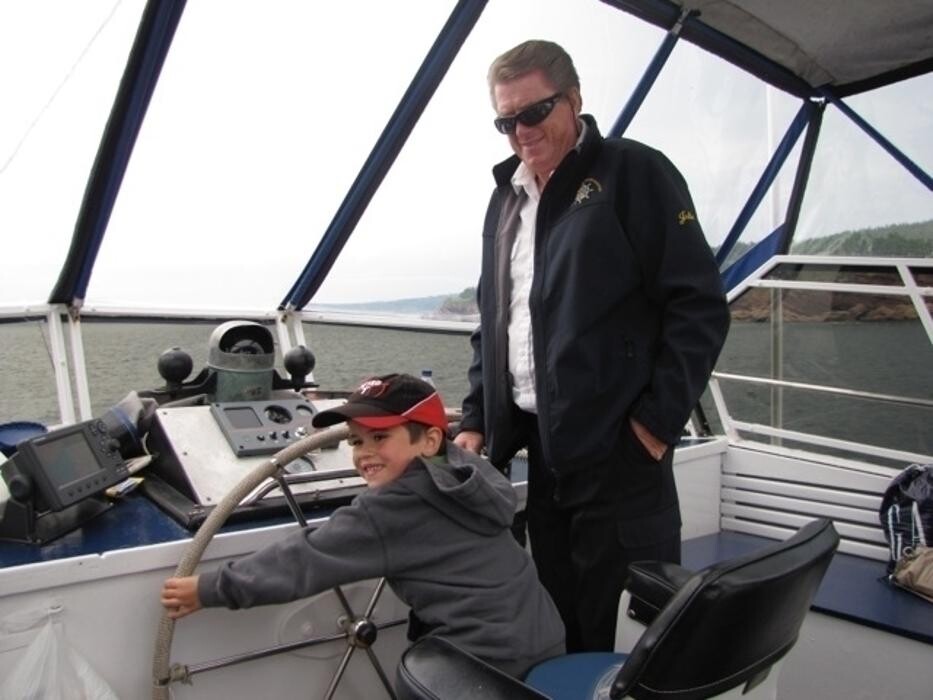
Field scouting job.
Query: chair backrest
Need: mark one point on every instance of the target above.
(730, 622)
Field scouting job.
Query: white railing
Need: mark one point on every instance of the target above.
(920, 297)
(66, 345)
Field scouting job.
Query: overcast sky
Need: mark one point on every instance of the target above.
(266, 112)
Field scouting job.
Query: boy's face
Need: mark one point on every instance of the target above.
(381, 455)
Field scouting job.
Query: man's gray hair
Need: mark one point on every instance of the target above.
(533, 55)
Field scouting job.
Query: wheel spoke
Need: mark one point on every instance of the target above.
(375, 598)
(338, 674)
(344, 602)
(382, 676)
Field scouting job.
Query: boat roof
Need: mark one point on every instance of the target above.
(802, 46)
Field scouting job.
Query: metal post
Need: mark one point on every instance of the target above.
(80, 369)
(66, 407)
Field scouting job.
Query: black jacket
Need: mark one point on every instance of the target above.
(627, 306)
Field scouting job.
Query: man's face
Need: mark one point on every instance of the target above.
(542, 146)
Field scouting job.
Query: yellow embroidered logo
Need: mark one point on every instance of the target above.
(683, 216)
(587, 187)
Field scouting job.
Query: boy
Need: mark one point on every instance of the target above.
(435, 522)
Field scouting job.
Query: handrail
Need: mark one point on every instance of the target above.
(732, 427)
(886, 398)
(266, 487)
(850, 287)
(12, 314)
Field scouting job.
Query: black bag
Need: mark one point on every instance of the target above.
(907, 511)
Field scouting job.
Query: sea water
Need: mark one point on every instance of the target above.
(888, 357)
(123, 356)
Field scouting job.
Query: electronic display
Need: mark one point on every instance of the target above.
(65, 466)
(68, 459)
(242, 417)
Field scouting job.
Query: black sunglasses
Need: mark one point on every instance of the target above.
(530, 116)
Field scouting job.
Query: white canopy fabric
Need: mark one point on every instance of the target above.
(833, 43)
(848, 44)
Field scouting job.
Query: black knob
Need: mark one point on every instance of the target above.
(299, 361)
(364, 633)
(174, 366)
(20, 487)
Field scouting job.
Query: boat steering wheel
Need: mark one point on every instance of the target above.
(359, 631)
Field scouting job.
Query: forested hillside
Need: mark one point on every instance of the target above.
(895, 240)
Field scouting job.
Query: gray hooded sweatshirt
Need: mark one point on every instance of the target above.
(440, 535)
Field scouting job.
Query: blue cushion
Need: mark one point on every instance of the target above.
(574, 676)
(11, 434)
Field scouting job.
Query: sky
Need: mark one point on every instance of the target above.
(262, 120)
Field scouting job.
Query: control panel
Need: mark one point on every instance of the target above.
(205, 450)
(263, 427)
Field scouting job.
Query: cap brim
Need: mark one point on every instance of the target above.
(380, 421)
(350, 411)
(429, 411)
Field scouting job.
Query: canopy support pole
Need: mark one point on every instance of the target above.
(393, 137)
(649, 77)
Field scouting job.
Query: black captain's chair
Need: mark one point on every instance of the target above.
(716, 633)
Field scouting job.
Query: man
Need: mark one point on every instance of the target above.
(602, 315)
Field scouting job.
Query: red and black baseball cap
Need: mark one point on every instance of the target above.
(387, 401)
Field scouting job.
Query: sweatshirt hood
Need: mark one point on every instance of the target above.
(468, 490)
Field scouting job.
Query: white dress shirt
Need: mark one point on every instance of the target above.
(521, 355)
(521, 346)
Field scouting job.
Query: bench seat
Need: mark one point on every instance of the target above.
(853, 588)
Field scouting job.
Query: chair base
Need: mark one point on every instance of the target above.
(576, 676)
(589, 676)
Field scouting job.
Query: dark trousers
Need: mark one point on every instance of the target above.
(573, 526)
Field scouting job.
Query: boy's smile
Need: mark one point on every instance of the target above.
(381, 455)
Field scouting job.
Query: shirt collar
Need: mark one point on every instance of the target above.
(523, 178)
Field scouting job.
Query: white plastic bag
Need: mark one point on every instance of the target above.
(49, 668)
